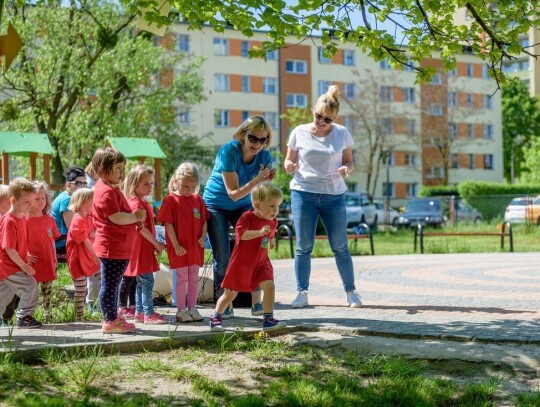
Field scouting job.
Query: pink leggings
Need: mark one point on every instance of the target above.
(187, 277)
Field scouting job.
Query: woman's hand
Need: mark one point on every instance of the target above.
(265, 174)
(344, 171)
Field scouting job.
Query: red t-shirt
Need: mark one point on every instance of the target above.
(143, 259)
(187, 214)
(112, 241)
(14, 235)
(42, 231)
(79, 259)
(249, 265)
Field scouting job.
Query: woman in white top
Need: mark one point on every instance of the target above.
(320, 156)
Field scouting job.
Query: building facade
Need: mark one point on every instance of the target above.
(443, 132)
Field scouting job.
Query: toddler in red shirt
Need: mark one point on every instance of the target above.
(184, 214)
(138, 185)
(250, 266)
(42, 232)
(16, 274)
(115, 233)
(81, 258)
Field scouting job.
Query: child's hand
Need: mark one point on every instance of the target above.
(264, 230)
(28, 269)
(179, 250)
(200, 241)
(32, 259)
(140, 215)
(271, 244)
(160, 247)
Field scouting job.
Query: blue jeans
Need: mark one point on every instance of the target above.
(306, 209)
(218, 234)
(144, 301)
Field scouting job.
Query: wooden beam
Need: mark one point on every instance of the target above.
(5, 168)
(141, 160)
(33, 169)
(157, 169)
(47, 168)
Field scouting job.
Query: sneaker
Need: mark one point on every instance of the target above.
(228, 313)
(118, 326)
(182, 315)
(155, 319)
(270, 323)
(216, 324)
(4, 323)
(353, 299)
(194, 314)
(300, 301)
(257, 309)
(28, 322)
(139, 317)
(126, 312)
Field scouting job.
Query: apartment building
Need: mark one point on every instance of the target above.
(446, 131)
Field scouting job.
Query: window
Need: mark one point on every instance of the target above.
(389, 159)
(388, 189)
(348, 57)
(387, 93)
(221, 46)
(387, 126)
(453, 73)
(436, 141)
(452, 99)
(384, 64)
(244, 48)
(272, 119)
(488, 131)
(435, 172)
(435, 109)
(296, 100)
(270, 86)
(485, 72)
(221, 118)
(183, 117)
(271, 55)
(245, 115)
(410, 127)
(412, 189)
(454, 160)
(470, 100)
(323, 87)
(436, 79)
(410, 159)
(470, 131)
(409, 95)
(524, 42)
(295, 66)
(470, 70)
(246, 84)
(349, 89)
(221, 82)
(182, 42)
(452, 130)
(470, 161)
(488, 161)
(323, 59)
(488, 102)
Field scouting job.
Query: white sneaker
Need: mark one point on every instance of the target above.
(300, 301)
(194, 314)
(353, 299)
(182, 315)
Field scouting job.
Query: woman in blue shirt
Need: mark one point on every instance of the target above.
(240, 165)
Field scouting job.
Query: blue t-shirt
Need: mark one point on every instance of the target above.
(229, 159)
(59, 206)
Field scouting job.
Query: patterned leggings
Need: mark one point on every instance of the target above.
(112, 271)
(80, 294)
(46, 294)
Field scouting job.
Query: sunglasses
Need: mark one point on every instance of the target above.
(254, 140)
(79, 183)
(320, 117)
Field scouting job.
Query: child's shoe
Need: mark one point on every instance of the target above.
(28, 322)
(194, 314)
(155, 319)
(118, 326)
(228, 313)
(216, 323)
(270, 323)
(127, 312)
(182, 315)
(139, 317)
(257, 309)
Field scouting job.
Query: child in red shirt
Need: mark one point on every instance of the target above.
(143, 263)
(81, 259)
(115, 233)
(42, 232)
(250, 266)
(184, 214)
(16, 274)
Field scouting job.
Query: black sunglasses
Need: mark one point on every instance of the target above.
(320, 117)
(254, 139)
(79, 183)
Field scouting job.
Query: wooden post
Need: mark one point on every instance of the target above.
(47, 168)
(141, 160)
(33, 170)
(157, 169)
(5, 168)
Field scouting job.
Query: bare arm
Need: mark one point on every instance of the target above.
(127, 218)
(15, 258)
(68, 217)
(290, 163)
(202, 238)
(347, 164)
(150, 237)
(178, 249)
(236, 191)
(88, 244)
(253, 234)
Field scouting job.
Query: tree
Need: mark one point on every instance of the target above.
(379, 28)
(85, 74)
(521, 123)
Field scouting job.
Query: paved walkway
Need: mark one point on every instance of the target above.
(482, 297)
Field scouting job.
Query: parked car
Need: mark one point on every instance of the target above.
(532, 211)
(466, 213)
(423, 211)
(393, 215)
(360, 209)
(523, 209)
(284, 216)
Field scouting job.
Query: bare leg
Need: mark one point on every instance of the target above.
(269, 290)
(225, 300)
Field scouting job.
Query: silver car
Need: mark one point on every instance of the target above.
(360, 209)
(515, 211)
(393, 215)
(466, 213)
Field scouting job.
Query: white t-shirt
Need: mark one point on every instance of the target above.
(319, 159)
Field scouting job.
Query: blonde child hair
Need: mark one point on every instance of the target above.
(79, 198)
(42, 186)
(134, 177)
(264, 191)
(184, 170)
(19, 185)
(4, 191)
